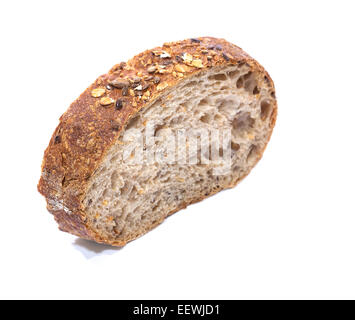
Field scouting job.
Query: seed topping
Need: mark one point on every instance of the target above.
(179, 59)
(181, 68)
(225, 56)
(125, 91)
(152, 69)
(106, 101)
(156, 80)
(197, 63)
(187, 57)
(119, 83)
(119, 104)
(164, 55)
(98, 92)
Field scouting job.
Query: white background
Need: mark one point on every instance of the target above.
(287, 231)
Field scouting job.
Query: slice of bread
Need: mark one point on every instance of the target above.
(168, 128)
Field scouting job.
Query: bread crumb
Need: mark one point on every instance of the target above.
(250, 136)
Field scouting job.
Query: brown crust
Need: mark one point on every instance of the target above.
(88, 129)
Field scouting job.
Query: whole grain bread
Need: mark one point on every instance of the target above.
(202, 82)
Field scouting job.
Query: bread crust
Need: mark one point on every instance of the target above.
(91, 125)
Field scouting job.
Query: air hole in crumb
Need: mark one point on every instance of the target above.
(165, 179)
(126, 189)
(256, 90)
(190, 84)
(203, 102)
(240, 83)
(218, 117)
(247, 76)
(205, 118)
(133, 123)
(248, 81)
(156, 207)
(226, 106)
(252, 153)
(220, 76)
(157, 128)
(265, 108)
(233, 74)
(114, 179)
(243, 121)
(250, 85)
(235, 146)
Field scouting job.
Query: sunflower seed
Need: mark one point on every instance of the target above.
(197, 63)
(125, 91)
(106, 101)
(119, 83)
(98, 92)
(164, 55)
(152, 69)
